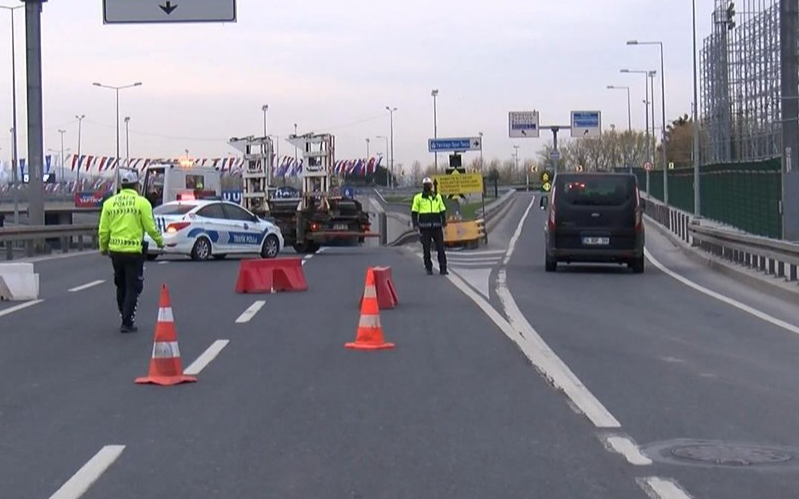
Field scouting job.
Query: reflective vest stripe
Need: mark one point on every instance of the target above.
(166, 350)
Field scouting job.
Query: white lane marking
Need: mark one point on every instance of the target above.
(496, 253)
(381, 196)
(91, 471)
(662, 488)
(627, 448)
(62, 256)
(86, 286)
(19, 307)
(518, 233)
(250, 312)
(473, 260)
(203, 360)
(720, 297)
(163, 263)
(547, 361)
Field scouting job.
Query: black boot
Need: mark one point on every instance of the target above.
(444, 271)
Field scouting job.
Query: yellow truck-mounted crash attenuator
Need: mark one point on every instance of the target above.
(465, 233)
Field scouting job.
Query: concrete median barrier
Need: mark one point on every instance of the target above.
(18, 282)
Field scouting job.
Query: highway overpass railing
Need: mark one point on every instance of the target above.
(772, 257)
(29, 241)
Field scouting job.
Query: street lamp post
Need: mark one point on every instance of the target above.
(662, 117)
(697, 192)
(629, 110)
(481, 151)
(434, 93)
(127, 141)
(368, 152)
(62, 132)
(14, 151)
(116, 90)
(265, 109)
(390, 180)
(80, 122)
(295, 147)
(387, 149)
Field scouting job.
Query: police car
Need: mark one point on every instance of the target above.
(204, 229)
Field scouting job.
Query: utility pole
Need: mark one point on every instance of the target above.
(789, 75)
(33, 40)
(14, 152)
(390, 180)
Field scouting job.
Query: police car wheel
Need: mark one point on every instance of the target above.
(201, 250)
(271, 247)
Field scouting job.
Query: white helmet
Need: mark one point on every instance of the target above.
(427, 180)
(128, 177)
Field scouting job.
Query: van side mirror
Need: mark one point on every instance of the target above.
(544, 203)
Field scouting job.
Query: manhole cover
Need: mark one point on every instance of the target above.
(731, 455)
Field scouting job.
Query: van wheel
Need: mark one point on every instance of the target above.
(637, 265)
(201, 250)
(551, 265)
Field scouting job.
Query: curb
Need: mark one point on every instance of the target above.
(765, 284)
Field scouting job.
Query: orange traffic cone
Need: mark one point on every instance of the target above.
(166, 368)
(370, 332)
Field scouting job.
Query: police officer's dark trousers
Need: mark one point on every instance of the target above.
(129, 280)
(433, 236)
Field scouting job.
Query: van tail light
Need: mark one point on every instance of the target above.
(176, 227)
(639, 223)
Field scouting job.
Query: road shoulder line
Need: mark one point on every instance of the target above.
(722, 298)
(19, 307)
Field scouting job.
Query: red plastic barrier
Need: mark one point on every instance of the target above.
(269, 276)
(384, 284)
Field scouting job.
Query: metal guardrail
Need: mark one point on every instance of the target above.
(33, 240)
(773, 257)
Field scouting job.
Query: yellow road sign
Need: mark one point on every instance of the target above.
(545, 177)
(546, 186)
(464, 183)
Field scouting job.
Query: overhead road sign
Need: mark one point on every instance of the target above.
(463, 183)
(554, 155)
(524, 124)
(459, 144)
(586, 123)
(168, 11)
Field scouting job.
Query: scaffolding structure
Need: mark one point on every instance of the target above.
(740, 83)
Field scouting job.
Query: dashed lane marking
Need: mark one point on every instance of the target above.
(89, 473)
(627, 448)
(661, 488)
(21, 306)
(203, 360)
(250, 312)
(86, 286)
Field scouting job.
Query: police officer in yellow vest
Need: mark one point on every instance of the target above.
(429, 216)
(124, 219)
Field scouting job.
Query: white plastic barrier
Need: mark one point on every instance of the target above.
(18, 282)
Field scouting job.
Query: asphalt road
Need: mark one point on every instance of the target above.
(458, 410)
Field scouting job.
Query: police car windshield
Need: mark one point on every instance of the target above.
(174, 209)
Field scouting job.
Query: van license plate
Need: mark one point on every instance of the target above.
(340, 227)
(596, 241)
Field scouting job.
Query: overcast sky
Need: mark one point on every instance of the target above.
(333, 66)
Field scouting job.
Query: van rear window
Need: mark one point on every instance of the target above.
(597, 190)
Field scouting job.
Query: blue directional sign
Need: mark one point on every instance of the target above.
(459, 144)
(586, 123)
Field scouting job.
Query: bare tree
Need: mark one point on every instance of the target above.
(416, 173)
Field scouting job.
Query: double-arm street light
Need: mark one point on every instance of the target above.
(14, 153)
(116, 90)
(663, 117)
